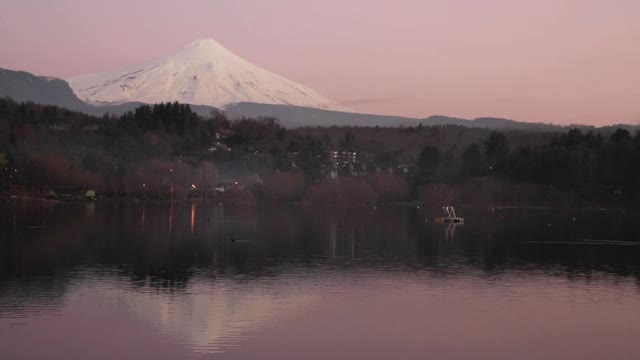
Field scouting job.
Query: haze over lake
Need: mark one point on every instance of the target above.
(125, 281)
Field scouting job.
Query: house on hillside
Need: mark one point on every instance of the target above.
(343, 157)
(218, 146)
(220, 142)
(223, 135)
(345, 162)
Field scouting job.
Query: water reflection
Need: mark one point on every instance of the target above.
(167, 242)
(208, 316)
(211, 278)
(450, 231)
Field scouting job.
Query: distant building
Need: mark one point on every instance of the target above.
(224, 134)
(343, 157)
(346, 163)
(219, 144)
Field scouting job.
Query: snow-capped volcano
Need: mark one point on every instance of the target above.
(203, 73)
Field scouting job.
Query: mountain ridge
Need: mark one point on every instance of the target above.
(23, 86)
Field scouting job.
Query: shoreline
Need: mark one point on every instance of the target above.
(417, 204)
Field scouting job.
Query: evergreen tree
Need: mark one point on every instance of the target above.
(496, 145)
(473, 163)
(428, 163)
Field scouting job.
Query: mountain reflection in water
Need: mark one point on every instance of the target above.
(191, 280)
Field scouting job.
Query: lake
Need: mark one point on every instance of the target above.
(196, 281)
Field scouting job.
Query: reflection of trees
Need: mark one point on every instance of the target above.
(165, 245)
(18, 297)
(503, 240)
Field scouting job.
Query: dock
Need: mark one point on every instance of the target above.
(450, 217)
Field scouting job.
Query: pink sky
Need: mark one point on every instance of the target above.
(561, 61)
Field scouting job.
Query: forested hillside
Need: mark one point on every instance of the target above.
(165, 149)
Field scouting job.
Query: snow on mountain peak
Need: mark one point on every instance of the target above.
(203, 49)
(205, 43)
(202, 73)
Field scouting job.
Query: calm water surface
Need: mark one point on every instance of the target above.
(133, 281)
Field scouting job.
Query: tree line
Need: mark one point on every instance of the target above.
(168, 146)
